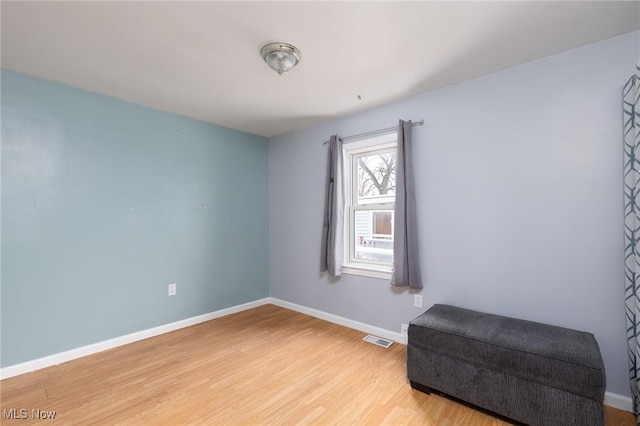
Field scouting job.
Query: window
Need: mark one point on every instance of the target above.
(370, 192)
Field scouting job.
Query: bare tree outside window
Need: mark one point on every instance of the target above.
(376, 177)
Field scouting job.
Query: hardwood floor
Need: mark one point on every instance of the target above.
(268, 365)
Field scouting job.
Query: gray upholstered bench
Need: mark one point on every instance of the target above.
(532, 373)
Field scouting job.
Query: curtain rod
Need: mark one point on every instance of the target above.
(375, 132)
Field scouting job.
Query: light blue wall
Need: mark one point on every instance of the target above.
(104, 203)
(519, 177)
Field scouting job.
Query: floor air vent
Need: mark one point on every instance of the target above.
(378, 341)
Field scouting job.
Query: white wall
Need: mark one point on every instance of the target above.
(519, 177)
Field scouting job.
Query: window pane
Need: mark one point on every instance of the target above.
(382, 224)
(373, 237)
(376, 174)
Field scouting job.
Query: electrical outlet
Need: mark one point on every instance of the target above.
(417, 300)
(404, 328)
(172, 289)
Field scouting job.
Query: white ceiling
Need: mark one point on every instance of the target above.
(201, 59)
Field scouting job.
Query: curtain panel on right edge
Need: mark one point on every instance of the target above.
(631, 132)
(406, 260)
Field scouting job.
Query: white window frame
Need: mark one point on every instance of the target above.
(369, 145)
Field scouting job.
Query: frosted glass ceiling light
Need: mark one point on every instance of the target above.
(281, 57)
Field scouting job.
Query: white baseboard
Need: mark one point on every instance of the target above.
(366, 328)
(620, 402)
(48, 361)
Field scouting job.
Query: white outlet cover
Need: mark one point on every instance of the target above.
(404, 328)
(172, 289)
(417, 300)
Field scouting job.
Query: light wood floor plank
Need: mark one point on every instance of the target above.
(268, 365)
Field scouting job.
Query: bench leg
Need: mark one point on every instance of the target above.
(419, 387)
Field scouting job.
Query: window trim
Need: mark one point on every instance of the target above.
(349, 266)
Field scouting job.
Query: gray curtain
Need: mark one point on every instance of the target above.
(333, 226)
(406, 261)
(631, 140)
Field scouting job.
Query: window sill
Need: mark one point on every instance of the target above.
(367, 271)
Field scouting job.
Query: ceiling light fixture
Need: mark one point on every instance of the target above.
(281, 57)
